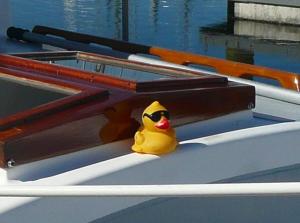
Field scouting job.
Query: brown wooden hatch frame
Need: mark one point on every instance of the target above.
(79, 94)
(50, 130)
(187, 80)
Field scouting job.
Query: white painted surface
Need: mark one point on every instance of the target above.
(269, 13)
(196, 161)
(3, 176)
(173, 190)
(269, 106)
(56, 165)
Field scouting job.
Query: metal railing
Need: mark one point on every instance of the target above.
(181, 190)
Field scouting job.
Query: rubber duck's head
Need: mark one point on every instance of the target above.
(156, 117)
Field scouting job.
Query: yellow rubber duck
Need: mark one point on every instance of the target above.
(156, 136)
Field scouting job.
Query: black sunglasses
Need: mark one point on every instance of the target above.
(156, 116)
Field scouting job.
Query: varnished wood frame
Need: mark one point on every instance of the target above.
(195, 79)
(36, 141)
(57, 134)
(81, 93)
(286, 79)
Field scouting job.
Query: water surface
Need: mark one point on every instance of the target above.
(198, 26)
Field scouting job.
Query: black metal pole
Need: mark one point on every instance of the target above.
(230, 16)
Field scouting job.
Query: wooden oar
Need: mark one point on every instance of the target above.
(123, 50)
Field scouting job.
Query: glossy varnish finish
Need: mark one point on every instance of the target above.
(82, 93)
(109, 109)
(286, 79)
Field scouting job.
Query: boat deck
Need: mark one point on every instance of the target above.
(225, 156)
(231, 123)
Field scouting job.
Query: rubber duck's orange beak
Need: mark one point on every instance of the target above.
(163, 123)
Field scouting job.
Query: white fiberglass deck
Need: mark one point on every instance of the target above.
(58, 165)
(232, 155)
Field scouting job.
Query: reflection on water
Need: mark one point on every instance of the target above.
(240, 55)
(154, 13)
(267, 31)
(186, 12)
(70, 14)
(4, 15)
(175, 24)
(273, 45)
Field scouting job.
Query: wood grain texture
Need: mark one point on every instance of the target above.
(58, 133)
(56, 70)
(286, 79)
(85, 94)
(195, 80)
(179, 84)
(61, 128)
(98, 123)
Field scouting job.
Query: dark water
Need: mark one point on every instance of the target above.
(198, 26)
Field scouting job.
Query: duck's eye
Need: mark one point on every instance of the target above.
(156, 116)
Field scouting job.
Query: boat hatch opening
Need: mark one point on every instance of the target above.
(133, 75)
(31, 103)
(105, 102)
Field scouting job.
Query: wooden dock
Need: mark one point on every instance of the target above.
(274, 11)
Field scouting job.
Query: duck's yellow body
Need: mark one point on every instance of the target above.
(154, 142)
(156, 136)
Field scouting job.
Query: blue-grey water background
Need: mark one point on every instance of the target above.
(174, 24)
